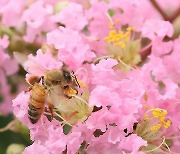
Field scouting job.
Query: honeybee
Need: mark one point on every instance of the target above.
(52, 86)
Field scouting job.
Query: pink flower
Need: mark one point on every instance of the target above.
(72, 49)
(108, 97)
(132, 143)
(11, 12)
(41, 63)
(56, 141)
(160, 48)
(36, 147)
(36, 17)
(20, 106)
(103, 71)
(4, 41)
(71, 16)
(172, 62)
(153, 28)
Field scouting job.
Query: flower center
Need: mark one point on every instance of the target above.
(119, 38)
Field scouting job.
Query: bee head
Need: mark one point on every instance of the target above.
(53, 77)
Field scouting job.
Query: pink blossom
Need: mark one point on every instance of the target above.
(35, 14)
(172, 62)
(41, 63)
(74, 52)
(72, 16)
(153, 28)
(56, 143)
(11, 12)
(20, 105)
(4, 41)
(160, 48)
(102, 71)
(36, 17)
(36, 147)
(132, 143)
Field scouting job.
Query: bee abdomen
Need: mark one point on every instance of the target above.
(36, 102)
(34, 114)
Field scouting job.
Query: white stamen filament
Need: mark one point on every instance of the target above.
(80, 99)
(110, 19)
(103, 57)
(156, 147)
(62, 119)
(167, 146)
(126, 65)
(154, 110)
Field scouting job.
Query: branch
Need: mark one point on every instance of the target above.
(159, 9)
(145, 52)
(163, 14)
(175, 15)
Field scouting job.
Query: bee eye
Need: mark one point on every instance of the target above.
(66, 87)
(67, 76)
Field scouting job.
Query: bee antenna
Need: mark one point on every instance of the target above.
(75, 78)
(82, 68)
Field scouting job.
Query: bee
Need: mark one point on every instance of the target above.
(49, 88)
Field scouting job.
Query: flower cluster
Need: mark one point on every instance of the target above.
(125, 60)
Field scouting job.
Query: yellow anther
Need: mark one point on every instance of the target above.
(145, 106)
(145, 96)
(155, 113)
(156, 127)
(111, 25)
(130, 29)
(118, 38)
(164, 112)
(158, 113)
(70, 91)
(146, 117)
(117, 20)
(167, 124)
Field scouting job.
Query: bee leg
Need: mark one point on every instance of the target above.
(29, 89)
(51, 107)
(34, 79)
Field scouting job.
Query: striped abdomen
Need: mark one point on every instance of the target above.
(36, 102)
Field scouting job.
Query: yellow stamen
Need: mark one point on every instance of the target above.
(117, 20)
(111, 25)
(146, 117)
(145, 106)
(70, 91)
(119, 38)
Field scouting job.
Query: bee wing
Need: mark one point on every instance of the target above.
(30, 64)
(21, 58)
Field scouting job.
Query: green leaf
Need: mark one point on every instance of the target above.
(66, 129)
(1, 98)
(111, 12)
